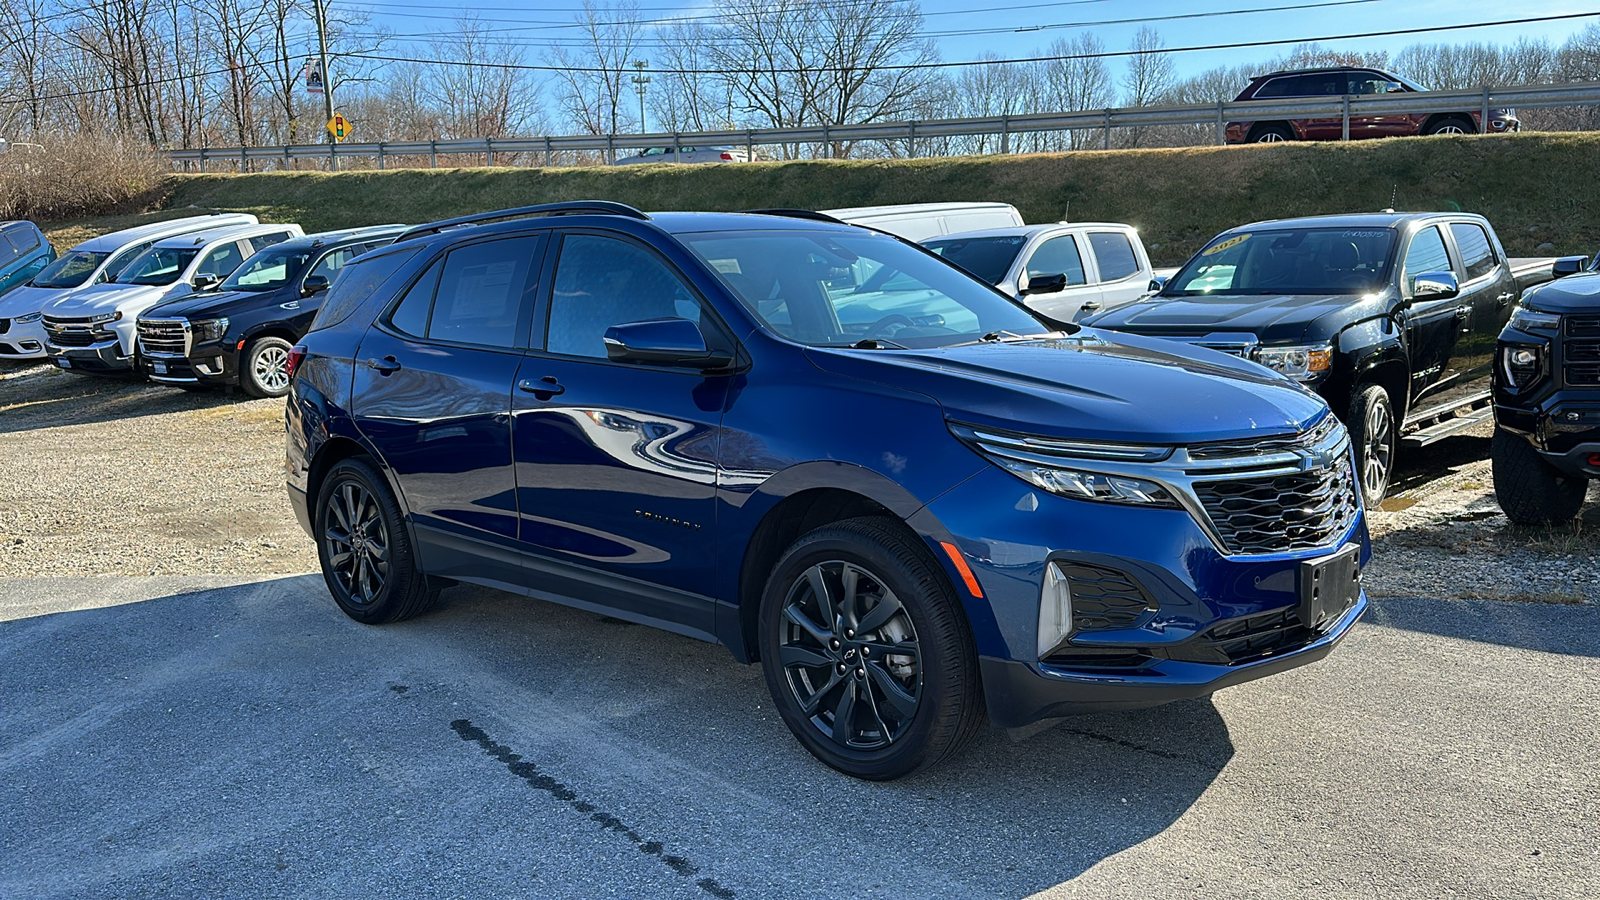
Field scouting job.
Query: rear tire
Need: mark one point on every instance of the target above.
(867, 653)
(1374, 431)
(1529, 490)
(365, 551)
(264, 367)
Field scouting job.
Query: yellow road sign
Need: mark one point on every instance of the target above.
(339, 126)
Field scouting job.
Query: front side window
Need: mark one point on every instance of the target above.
(1477, 254)
(1113, 253)
(603, 281)
(8, 250)
(834, 289)
(1426, 254)
(987, 258)
(220, 262)
(267, 270)
(69, 271)
(123, 259)
(1058, 256)
(1288, 261)
(159, 265)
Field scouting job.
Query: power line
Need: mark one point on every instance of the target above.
(1109, 54)
(541, 25)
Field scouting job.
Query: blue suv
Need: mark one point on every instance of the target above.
(918, 505)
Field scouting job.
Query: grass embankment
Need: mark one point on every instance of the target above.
(1533, 187)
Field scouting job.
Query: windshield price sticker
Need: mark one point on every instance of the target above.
(1223, 245)
(1354, 234)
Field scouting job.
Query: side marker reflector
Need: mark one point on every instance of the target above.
(961, 566)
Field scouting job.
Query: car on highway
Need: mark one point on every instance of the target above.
(94, 261)
(1355, 81)
(1065, 271)
(688, 156)
(695, 421)
(1390, 317)
(93, 330)
(1546, 445)
(24, 250)
(241, 332)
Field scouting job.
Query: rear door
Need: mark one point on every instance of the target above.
(1488, 288)
(1124, 274)
(1325, 86)
(432, 393)
(616, 463)
(1433, 327)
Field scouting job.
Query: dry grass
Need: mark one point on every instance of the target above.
(80, 177)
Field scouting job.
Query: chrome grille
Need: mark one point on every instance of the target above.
(1278, 513)
(164, 337)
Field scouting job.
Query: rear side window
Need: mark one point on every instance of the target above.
(1477, 254)
(475, 295)
(1058, 256)
(356, 283)
(267, 240)
(1426, 254)
(1114, 254)
(8, 250)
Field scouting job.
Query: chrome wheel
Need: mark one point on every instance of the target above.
(850, 656)
(1269, 137)
(1378, 447)
(357, 542)
(271, 369)
(1450, 129)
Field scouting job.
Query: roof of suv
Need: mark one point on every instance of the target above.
(1352, 220)
(213, 235)
(116, 240)
(1026, 230)
(347, 235)
(1315, 69)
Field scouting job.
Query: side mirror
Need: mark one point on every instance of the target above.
(663, 342)
(206, 282)
(1045, 284)
(1157, 283)
(1434, 286)
(1569, 265)
(1393, 87)
(314, 284)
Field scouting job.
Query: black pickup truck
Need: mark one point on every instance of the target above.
(1391, 317)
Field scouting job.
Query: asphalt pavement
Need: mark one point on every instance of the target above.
(223, 737)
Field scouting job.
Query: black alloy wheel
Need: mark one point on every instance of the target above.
(1374, 432)
(866, 651)
(365, 553)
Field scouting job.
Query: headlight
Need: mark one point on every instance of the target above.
(202, 330)
(28, 319)
(1524, 319)
(1031, 459)
(105, 317)
(1522, 364)
(1302, 362)
(1089, 485)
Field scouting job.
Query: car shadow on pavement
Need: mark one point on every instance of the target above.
(193, 738)
(1570, 629)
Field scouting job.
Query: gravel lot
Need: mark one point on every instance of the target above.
(112, 477)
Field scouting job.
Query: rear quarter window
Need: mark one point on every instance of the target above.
(356, 283)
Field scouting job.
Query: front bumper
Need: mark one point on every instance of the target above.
(1563, 426)
(204, 365)
(18, 341)
(104, 358)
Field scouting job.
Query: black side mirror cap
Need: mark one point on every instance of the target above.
(1045, 284)
(1568, 265)
(663, 342)
(314, 284)
(205, 282)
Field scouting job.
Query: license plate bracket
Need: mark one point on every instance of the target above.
(1329, 586)
(63, 362)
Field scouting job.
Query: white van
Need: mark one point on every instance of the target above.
(920, 221)
(1067, 271)
(92, 262)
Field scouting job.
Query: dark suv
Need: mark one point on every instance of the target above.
(1345, 81)
(828, 449)
(240, 333)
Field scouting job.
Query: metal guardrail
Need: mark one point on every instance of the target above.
(1218, 114)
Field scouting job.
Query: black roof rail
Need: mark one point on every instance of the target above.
(566, 208)
(795, 214)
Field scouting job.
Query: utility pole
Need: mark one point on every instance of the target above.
(327, 77)
(639, 82)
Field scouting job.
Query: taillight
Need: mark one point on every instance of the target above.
(728, 157)
(296, 354)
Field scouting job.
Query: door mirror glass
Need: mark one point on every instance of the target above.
(205, 282)
(661, 342)
(1568, 265)
(1045, 284)
(314, 284)
(1435, 286)
(1157, 283)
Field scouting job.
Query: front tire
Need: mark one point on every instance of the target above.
(1451, 125)
(1529, 490)
(365, 551)
(1271, 133)
(1374, 432)
(867, 653)
(264, 367)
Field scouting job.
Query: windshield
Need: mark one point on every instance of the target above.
(1288, 261)
(833, 289)
(987, 258)
(271, 268)
(69, 271)
(159, 265)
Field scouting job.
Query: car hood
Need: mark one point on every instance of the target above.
(1573, 294)
(24, 299)
(103, 298)
(1093, 385)
(218, 303)
(1274, 319)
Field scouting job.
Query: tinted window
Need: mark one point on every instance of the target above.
(1058, 256)
(220, 262)
(482, 292)
(267, 240)
(411, 315)
(1114, 254)
(1322, 84)
(1287, 86)
(1426, 254)
(1288, 261)
(1477, 254)
(357, 282)
(23, 239)
(328, 267)
(601, 282)
(70, 270)
(123, 259)
(267, 270)
(160, 265)
(988, 259)
(8, 250)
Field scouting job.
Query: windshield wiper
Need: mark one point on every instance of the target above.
(994, 337)
(877, 344)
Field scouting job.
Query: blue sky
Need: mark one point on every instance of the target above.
(532, 25)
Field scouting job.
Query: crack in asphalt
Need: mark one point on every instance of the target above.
(530, 773)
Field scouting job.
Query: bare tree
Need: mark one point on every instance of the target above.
(592, 78)
(1149, 77)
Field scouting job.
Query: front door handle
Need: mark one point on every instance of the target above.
(1505, 298)
(1091, 306)
(386, 366)
(544, 388)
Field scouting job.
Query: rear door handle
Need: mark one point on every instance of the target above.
(1091, 306)
(544, 388)
(386, 366)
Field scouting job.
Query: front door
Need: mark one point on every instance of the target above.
(432, 390)
(1060, 255)
(616, 463)
(1433, 327)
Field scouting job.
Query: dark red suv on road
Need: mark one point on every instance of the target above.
(1351, 81)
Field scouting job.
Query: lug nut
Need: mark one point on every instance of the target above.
(861, 673)
(849, 633)
(834, 643)
(843, 668)
(866, 651)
